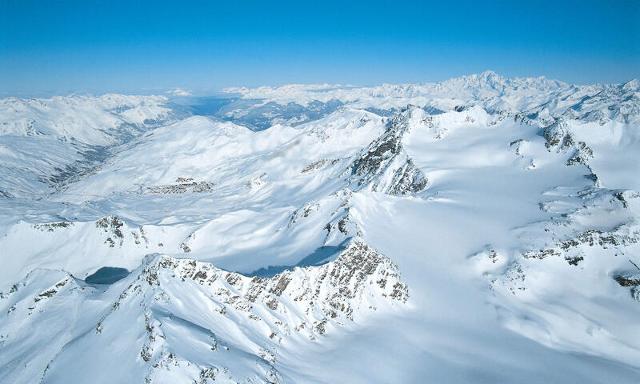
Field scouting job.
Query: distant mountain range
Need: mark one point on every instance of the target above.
(480, 229)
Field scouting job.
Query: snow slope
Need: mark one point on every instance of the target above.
(478, 230)
(71, 134)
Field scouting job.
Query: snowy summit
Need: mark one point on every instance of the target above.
(482, 229)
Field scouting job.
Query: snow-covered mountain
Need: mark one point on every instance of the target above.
(48, 142)
(481, 229)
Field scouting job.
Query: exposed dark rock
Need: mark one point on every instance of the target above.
(331, 291)
(50, 227)
(630, 280)
(557, 135)
(318, 165)
(113, 226)
(182, 185)
(589, 238)
(385, 166)
(581, 154)
(574, 260)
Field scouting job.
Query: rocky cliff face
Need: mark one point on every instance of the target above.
(384, 166)
(167, 297)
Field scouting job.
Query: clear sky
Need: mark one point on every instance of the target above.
(133, 46)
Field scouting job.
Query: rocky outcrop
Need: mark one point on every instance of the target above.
(572, 237)
(116, 230)
(333, 214)
(557, 136)
(316, 165)
(235, 323)
(630, 280)
(182, 185)
(53, 226)
(384, 166)
(570, 249)
(332, 293)
(112, 225)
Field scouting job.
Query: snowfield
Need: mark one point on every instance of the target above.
(478, 230)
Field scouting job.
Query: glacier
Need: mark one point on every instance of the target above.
(482, 229)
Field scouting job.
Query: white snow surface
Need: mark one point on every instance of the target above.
(478, 230)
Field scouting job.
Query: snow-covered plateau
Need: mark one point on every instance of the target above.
(478, 230)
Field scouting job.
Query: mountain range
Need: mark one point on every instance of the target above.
(482, 229)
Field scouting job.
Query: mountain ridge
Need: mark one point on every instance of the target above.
(504, 210)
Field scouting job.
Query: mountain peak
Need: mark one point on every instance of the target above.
(203, 251)
(631, 85)
(490, 75)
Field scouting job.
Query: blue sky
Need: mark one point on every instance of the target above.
(147, 46)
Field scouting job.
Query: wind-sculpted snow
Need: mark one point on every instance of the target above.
(166, 298)
(277, 237)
